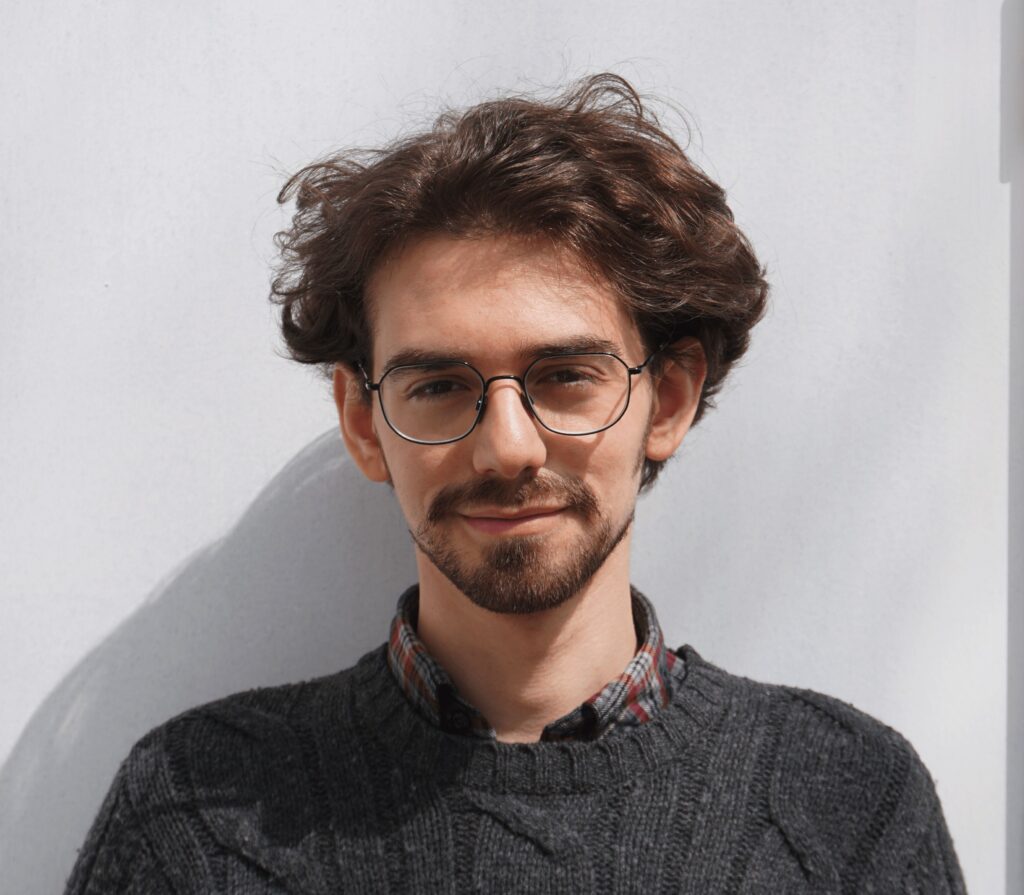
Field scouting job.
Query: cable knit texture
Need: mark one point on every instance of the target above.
(339, 785)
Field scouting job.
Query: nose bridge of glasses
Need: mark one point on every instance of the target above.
(523, 394)
(517, 379)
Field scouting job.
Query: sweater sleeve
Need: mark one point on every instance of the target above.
(934, 868)
(858, 804)
(914, 853)
(117, 858)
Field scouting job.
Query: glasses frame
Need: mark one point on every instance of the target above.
(524, 393)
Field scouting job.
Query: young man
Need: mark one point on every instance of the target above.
(523, 311)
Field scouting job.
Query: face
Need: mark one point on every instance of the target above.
(516, 517)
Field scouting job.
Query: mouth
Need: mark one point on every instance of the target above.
(499, 521)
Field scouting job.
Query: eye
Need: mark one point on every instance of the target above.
(430, 383)
(569, 375)
(436, 389)
(565, 376)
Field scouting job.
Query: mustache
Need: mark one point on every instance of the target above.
(569, 491)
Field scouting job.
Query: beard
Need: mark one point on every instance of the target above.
(521, 574)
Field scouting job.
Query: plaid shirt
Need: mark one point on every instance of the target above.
(632, 698)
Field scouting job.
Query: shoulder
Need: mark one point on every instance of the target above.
(815, 732)
(209, 745)
(221, 777)
(261, 710)
(794, 708)
(849, 793)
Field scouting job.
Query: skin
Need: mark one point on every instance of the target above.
(493, 302)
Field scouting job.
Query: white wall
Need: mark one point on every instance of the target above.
(177, 523)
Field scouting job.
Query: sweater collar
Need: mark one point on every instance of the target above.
(642, 689)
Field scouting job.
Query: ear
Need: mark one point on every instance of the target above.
(677, 390)
(355, 416)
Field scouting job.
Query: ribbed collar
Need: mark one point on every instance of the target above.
(643, 688)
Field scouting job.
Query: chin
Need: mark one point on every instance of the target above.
(525, 574)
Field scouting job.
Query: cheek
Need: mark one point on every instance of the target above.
(611, 467)
(418, 472)
(623, 482)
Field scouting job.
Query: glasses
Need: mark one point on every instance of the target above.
(568, 394)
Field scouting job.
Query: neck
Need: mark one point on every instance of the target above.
(525, 671)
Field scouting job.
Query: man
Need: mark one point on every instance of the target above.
(523, 311)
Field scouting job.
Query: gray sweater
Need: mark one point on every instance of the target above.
(338, 785)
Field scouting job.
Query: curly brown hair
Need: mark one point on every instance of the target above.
(591, 170)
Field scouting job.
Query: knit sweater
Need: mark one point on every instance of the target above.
(339, 785)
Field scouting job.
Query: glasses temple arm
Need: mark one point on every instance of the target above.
(369, 386)
(633, 371)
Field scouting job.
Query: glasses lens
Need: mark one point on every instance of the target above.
(578, 393)
(431, 402)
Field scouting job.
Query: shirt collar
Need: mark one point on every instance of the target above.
(634, 697)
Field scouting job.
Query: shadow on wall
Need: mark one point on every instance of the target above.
(304, 584)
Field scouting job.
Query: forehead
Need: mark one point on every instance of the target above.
(490, 299)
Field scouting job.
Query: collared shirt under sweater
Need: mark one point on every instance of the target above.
(635, 696)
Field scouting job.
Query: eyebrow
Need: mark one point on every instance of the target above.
(577, 345)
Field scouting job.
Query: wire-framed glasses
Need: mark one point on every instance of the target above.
(569, 394)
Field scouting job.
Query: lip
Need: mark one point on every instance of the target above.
(500, 521)
(520, 513)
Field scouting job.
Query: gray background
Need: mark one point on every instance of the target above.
(180, 521)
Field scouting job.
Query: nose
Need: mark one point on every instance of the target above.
(507, 440)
